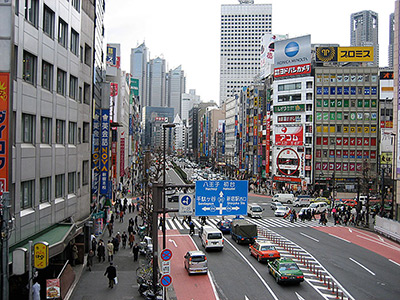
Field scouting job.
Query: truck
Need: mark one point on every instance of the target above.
(243, 232)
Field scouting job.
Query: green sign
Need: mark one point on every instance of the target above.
(289, 108)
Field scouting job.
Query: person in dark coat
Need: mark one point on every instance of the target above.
(111, 273)
(135, 251)
(101, 251)
(90, 259)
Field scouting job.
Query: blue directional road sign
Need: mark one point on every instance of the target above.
(186, 205)
(221, 197)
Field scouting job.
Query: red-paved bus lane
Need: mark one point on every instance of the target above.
(186, 287)
(366, 239)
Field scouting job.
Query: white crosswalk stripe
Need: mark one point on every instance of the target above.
(266, 223)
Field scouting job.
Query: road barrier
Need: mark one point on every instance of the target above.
(311, 265)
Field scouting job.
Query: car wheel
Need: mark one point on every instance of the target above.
(289, 202)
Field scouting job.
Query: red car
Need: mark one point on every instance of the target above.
(264, 251)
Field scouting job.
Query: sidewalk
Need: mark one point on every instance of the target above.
(94, 285)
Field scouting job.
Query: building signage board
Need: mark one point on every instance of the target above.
(104, 151)
(289, 136)
(4, 130)
(96, 151)
(345, 54)
(292, 56)
(289, 108)
(221, 197)
(41, 255)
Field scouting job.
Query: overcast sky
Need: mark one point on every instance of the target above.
(187, 32)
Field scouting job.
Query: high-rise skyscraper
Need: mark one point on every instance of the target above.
(242, 26)
(139, 59)
(176, 87)
(364, 31)
(156, 82)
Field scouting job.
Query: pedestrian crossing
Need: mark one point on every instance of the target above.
(179, 224)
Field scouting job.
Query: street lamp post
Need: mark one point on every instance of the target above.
(165, 126)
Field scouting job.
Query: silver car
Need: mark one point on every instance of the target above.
(196, 262)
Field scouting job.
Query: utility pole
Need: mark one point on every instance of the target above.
(4, 216)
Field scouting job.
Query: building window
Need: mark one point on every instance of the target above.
(45, 189)
(76, 4)
(79, 135)
(85, 172)
(73, 87)
(71, 182)
(46, 131)
(15, 62)
(60, 186)
(62, 33)
(27, 193)
(74, 42)
(47, 76)
(60, 132)
(86, 93)
(29, 72)
(31, 11)
(28, 128)
(86, 132)
(81, 53)
(80, 94)
(48, 22)
(61, 81)
(72, 133)
(88, 55)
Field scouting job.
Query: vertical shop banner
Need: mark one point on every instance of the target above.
(130, 124)
(114, 153)
(4, 130)
(96, 151)
(122, 156)
(111, 58)
(114, 101)
(104, 150)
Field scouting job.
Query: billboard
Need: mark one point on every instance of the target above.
(4, 130)
(289, 136)
(104, 150)
(344, 54)
(96, 151)
(292, 56)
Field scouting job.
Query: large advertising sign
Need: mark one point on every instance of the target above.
(345, 54)
(114, 100)
(267, 54)
(96, 151)
(292, 56)
(122, 157)
(386, 85)
(289, 136)
(104, 150)
(4, 129)
(288, 162)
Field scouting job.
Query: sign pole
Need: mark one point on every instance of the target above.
(30, 269)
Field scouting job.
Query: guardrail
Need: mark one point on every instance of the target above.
(311, 265)
(388, 228)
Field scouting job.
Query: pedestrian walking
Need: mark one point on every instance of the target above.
(101, 251)
(133, 207)
(136, 222)
(90, 259)
(131, 239)
(36, 290)
(115, 243)
(94, 244)
(110, 228)
(111, 273)
(135, 251)
(121, 216)
(130, 207)
(110, 251)
(124, 238)
(74, 254)
(161, 223)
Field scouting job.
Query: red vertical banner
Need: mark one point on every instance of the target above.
(114, 159)
(122, 157)
(267, 143)
(4, 130)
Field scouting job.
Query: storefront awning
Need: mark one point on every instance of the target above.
(57, 236)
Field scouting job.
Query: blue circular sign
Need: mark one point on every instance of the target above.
(292, 49)
(166, 280)
(186, 200)
(166, 254)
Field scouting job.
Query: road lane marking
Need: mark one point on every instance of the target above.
(350, 230)
(395, 262)
(339, 238)
(383, 243)
(255, 271)
(310, 237)
(173, 242)
(299, 297)
(364, 267)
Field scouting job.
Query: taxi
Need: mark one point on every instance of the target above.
(285, 270)
(263, 251)
(321, 199)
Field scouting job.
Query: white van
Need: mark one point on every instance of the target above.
(254, 211)
(211, 238)
(302, 200)
(283, 198)
(319, 207)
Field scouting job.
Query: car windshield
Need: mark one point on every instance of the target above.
(286, 267)
(256, 209)
(198, 258)
(278, 204)
(267, 248)
(214, 236)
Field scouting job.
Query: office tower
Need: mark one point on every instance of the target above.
(188, 100)
(242, 26)
(364, 31)
(176, 87)
(139, 59)
(391, 40)
(156, 95)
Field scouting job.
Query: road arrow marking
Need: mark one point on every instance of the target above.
(173, 242)
(299, 297)
(350, 230)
